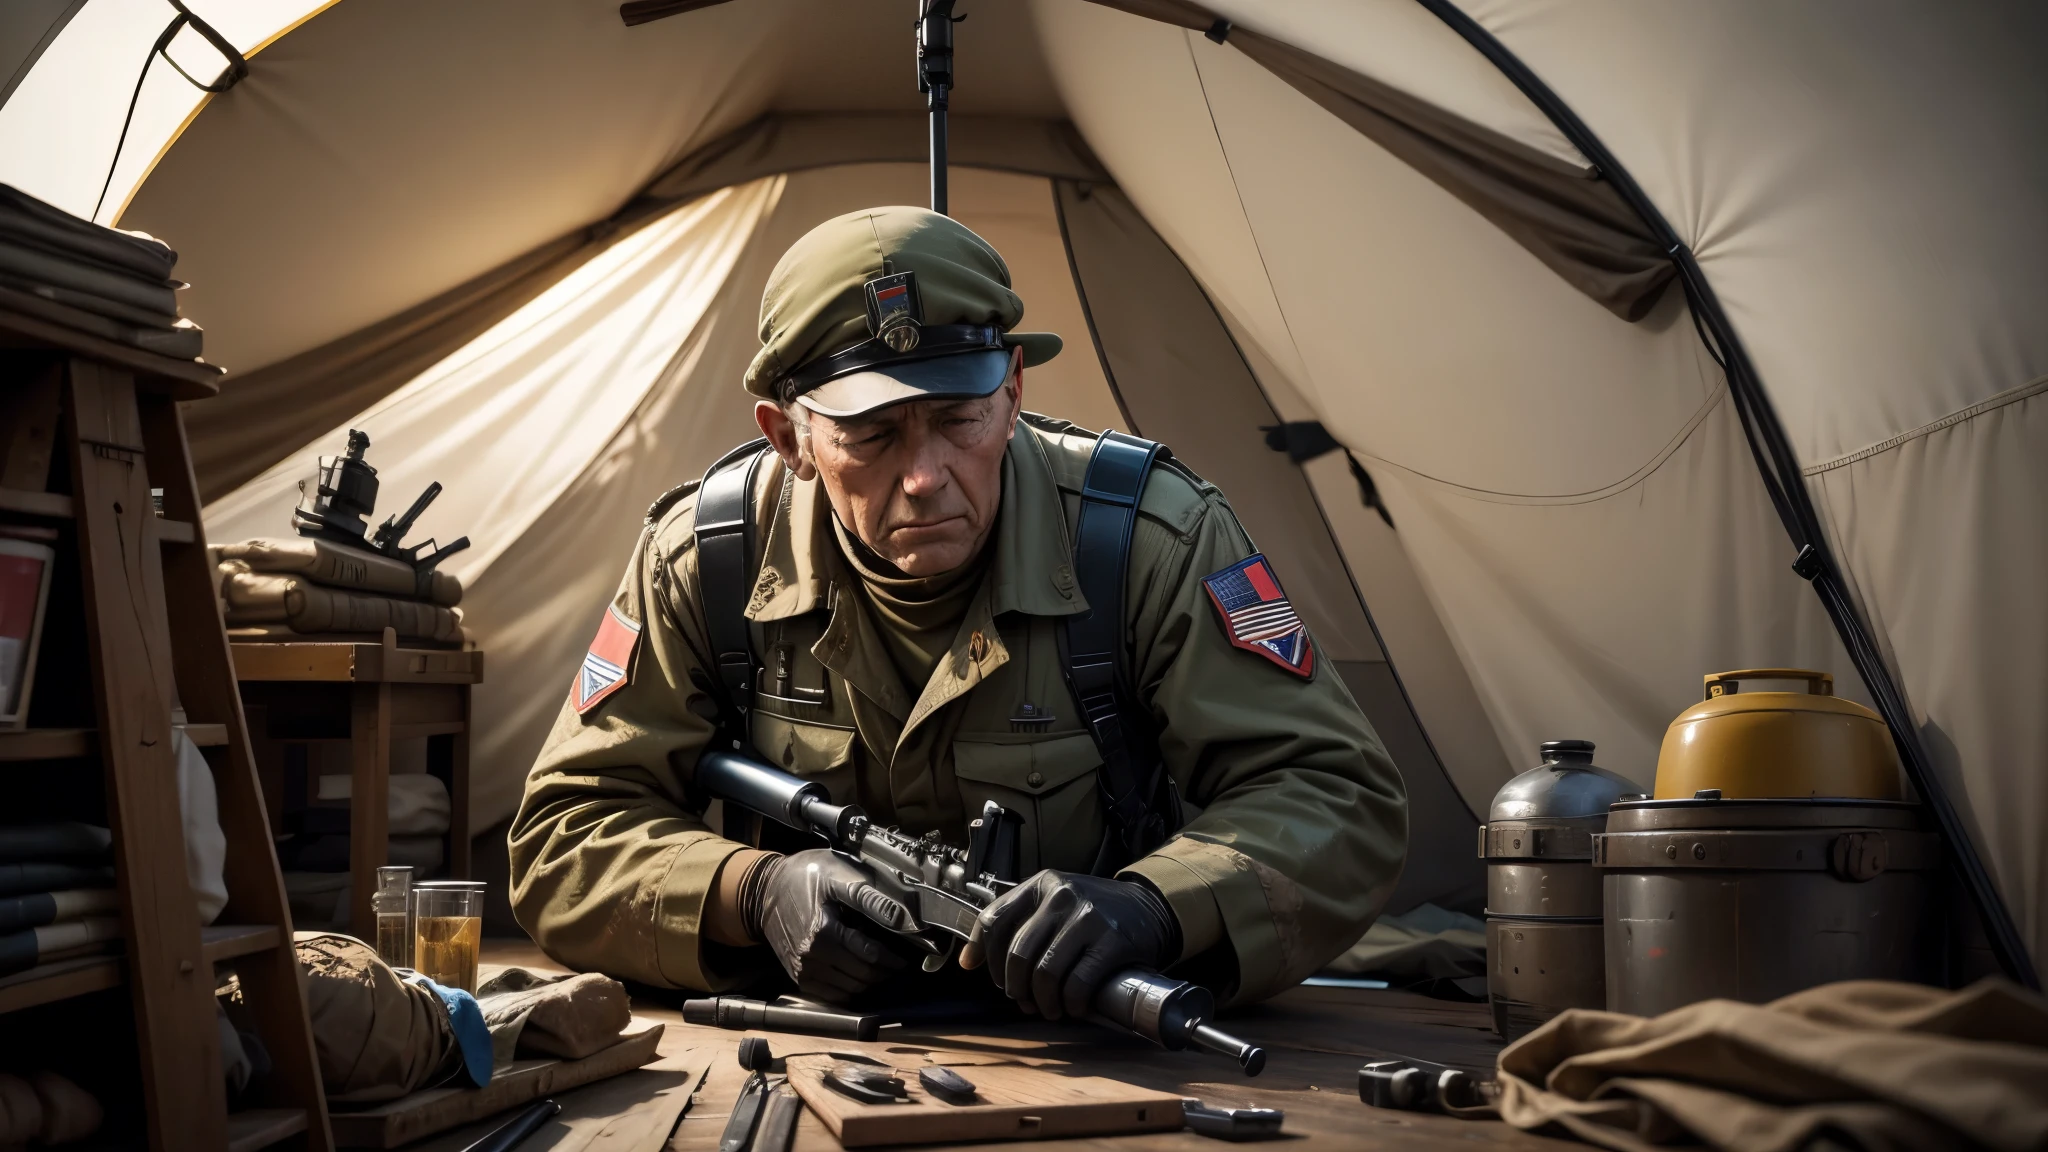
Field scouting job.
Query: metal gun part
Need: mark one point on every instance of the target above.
(1419, 1086)
(739, 1014)
(394, 529)
(1234, 1124)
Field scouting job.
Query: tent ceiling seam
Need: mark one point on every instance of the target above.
(2009, 396)
(1592, 496)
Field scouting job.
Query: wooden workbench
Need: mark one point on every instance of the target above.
(1316, 1039)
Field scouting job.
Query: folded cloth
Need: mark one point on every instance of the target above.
(377, 1036)
(261, 598)
(181, 338)
(32, 877)
(157, 298)
(337, 566)
(21, 951)
(30, 221)
(416, 803)
(1868, 1064)
(1422, 946)
(39, 908)
(567, 1016)
(62, 841)
(47, 1109)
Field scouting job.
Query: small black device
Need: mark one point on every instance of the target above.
(344, 492)
(942, 1083)
(867, 1085)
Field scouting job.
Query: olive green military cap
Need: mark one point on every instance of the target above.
(887, 305)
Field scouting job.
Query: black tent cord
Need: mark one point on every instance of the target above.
(237, 68)
(1787, 488)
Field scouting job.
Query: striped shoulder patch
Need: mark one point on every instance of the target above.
(608, 665)
(1257, 616)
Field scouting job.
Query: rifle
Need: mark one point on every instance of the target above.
(946, 888)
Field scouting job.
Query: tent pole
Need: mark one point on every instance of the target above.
(1787, 488)
(935, 79)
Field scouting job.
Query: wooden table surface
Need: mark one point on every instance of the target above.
(1315, 1038)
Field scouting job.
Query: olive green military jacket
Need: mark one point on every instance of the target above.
(1297, 819)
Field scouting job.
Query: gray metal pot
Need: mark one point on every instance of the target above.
(1757, 899)
(1544, 945)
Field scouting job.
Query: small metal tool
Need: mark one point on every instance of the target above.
(515, 1131)
(1419, 1086)
(945, 1084)
(739, 1013)
(1234, 1124)
(746, 1112)
(778, 1119)
(867, 1085)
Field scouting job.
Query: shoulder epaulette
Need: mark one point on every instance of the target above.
(668, 499)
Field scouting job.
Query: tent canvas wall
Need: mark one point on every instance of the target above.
(1391, 235)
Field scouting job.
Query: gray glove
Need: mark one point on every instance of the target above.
(800, 905)
(1051, 941)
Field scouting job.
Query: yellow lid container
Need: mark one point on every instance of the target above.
(1759, 745)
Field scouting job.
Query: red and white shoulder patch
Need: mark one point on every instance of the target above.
(1257, 615)
(607, 667)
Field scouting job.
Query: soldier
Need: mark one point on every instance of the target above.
(911, 590)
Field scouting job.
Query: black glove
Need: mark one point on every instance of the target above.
(1053, 940)
(819, 911)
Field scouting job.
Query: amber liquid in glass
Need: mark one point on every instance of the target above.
(446, 947)
(394, 941)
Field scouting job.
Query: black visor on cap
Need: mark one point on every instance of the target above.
(962, 376)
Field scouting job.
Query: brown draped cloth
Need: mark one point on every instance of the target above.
(1868, 1064)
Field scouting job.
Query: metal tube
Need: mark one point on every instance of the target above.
(939, 152)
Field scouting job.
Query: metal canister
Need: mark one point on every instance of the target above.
(1544, 945)
(1753, 899)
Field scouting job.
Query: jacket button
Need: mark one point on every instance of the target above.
(1036, 779)
(977, 647)
(1063, 581)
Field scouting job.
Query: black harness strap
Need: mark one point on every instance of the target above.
(1138, 801)
(725, 544)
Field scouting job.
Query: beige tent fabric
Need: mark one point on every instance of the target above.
(1572, 489)
(794, 142)
(1869, 1064)
(511, 420)
(260, 416)
(1862, 191)
(1560, 211)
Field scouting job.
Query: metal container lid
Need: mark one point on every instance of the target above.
(1566, 785)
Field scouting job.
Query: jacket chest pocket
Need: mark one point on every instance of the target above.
(1050, 784)
(820, 752)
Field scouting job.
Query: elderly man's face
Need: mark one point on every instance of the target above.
(918, 483)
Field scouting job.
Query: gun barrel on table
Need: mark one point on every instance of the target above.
(947, 887)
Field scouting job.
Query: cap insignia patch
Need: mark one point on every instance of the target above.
(606, 667)
(1257, 616)
(895, 310)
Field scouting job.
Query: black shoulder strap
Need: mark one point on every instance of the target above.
(1138, 800)
(725, 539)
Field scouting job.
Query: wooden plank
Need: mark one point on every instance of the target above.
(170, 531)
(262, 1127)
(425, 729)
(46, 743)
(29, 410)
(267, 661)
(1016, 1103)
(438, 1109)
(369, 804)
(269, 975)
(130, 647)
(183, 379)
(227, 941)
(59, 980)
(52, 505)
(207, 735)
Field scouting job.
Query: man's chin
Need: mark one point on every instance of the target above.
(934, 556)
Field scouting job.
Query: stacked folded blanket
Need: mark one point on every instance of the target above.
(56, 894)
(310, 586)
(104, 281)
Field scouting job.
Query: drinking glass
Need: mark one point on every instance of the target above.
(448, 931)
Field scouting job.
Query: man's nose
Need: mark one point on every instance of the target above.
(926, 474)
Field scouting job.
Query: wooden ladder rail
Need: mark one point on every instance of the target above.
(156, 638)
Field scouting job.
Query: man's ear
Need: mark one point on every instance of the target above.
(782, 436)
